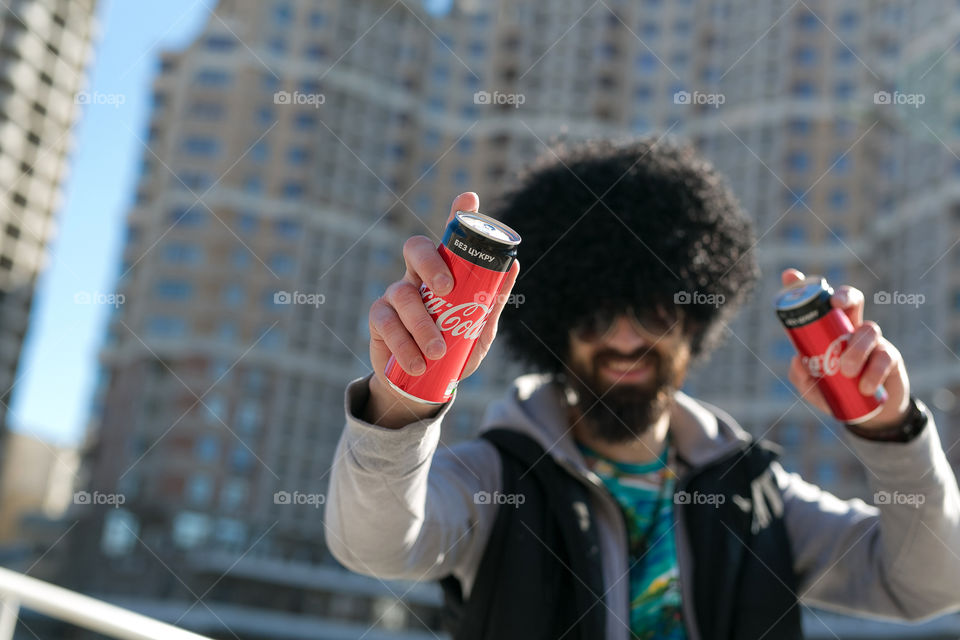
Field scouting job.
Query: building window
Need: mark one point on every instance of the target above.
(248, 223)
(253, 185)
(241, 460)
(282, 15)
(220, 43)
(201, 146)
(248, 416)
(260, 152)
(184, 218)
(166, 327)
(794, 233)
(173, 289)
(213, 78)
(182, 253)
(234, 494)
(298, 156)
(233, 295)
(207, 448)
(804, 89)
(281, 263)
(305, 122)
(195, 180)
(293, 190)
(798, 161)
(190, 529)
(227, 332)
(287, 229)
(838, 199)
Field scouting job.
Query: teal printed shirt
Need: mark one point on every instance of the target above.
(645, 494)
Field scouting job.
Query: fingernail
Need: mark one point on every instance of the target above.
(843, 297)
(418, 366)
(442, 284)
(435, 349)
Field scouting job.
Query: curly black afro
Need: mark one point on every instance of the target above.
(619, 224)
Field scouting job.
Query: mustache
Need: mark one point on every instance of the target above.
(643, 355)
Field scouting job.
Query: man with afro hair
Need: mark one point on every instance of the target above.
(600, 501)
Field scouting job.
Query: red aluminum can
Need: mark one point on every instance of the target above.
(478, 250)
(820, 333)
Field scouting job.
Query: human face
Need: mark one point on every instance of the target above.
(624, 370)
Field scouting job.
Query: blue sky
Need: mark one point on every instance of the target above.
(51, 397)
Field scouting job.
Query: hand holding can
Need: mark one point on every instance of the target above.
(844, 365)
(403, 333)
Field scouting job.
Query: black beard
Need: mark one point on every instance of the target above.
(625, 411)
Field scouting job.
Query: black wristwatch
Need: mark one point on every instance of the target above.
(914, 423)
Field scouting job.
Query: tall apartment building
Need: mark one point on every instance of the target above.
(845, 175)
(295, 145)
(44, 47)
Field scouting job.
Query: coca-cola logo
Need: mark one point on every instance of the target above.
(828, 363)
(467, 319)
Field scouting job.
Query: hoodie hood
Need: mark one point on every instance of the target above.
(535, 406)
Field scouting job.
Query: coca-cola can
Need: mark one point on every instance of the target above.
(478, 250)
(820, 334)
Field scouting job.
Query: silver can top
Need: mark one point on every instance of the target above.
(489, 228)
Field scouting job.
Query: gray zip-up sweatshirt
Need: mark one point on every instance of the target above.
(399, 507)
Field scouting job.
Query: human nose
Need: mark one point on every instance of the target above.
(624, 337)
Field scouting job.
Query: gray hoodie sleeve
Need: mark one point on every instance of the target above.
(399, 507)
(899, 559)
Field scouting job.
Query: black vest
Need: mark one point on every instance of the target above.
(541, 573)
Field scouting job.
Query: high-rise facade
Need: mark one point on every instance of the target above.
(295, 145)
(44, 47)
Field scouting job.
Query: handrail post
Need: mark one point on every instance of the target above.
(9, 611)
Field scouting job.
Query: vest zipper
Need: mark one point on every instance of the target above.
(686, 586)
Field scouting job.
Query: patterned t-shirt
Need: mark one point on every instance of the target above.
(645, 493)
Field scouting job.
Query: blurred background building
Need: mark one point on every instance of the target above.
(44, 47)
(295, 144)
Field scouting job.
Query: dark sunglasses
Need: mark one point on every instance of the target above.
(658, 321)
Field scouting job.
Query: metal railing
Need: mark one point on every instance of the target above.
(18, 590)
